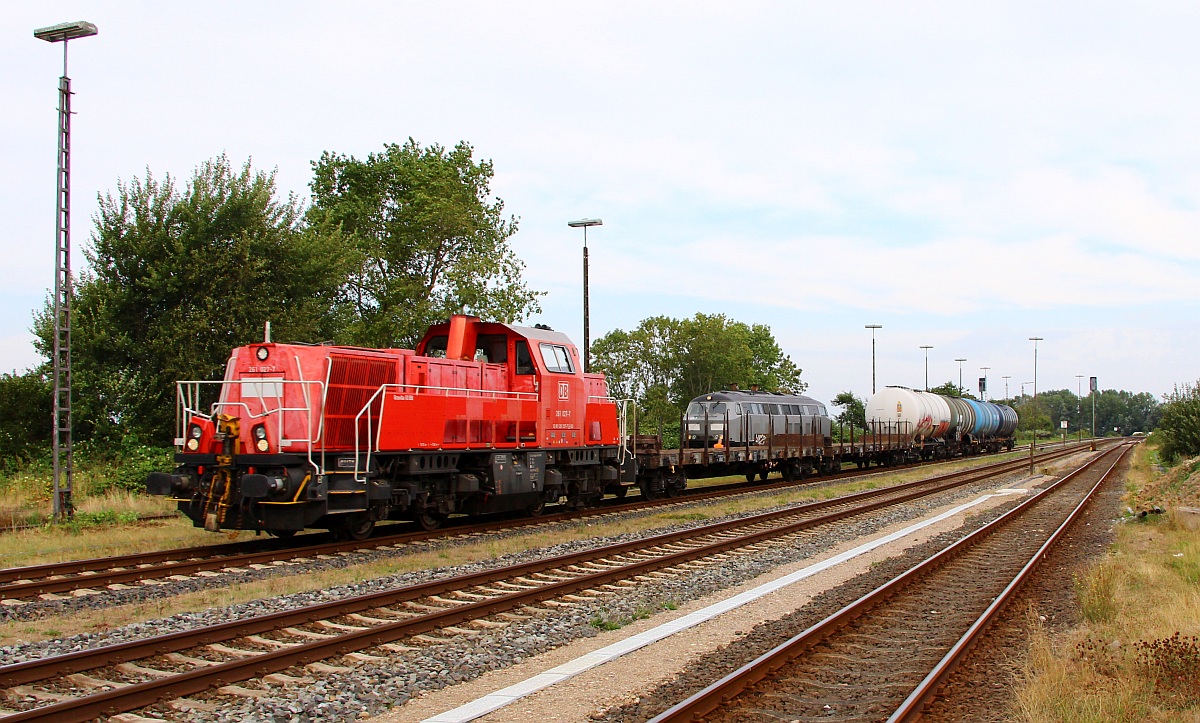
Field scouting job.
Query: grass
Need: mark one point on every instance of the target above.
(105, 480)
(1136, 656)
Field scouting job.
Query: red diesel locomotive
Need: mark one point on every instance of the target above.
(480, 417)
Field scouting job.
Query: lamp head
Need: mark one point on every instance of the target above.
(66, 31)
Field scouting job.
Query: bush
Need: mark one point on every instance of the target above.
(121, 466)
(1180, 424)
(25, 416)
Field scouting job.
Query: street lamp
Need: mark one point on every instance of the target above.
(1033, 443)
(873, 327)
(1006, 377)
(926, 348)
(983, 389)
(960, 386)
(63, 506)
(584, 223)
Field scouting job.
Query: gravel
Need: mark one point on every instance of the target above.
(369, 688)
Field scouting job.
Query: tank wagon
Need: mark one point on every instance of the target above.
(479, 417)
(938, 426)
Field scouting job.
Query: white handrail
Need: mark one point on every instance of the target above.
(187, 398)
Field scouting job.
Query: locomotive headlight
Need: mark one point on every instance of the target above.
(196, 432)
(260, 438)
(262, 353)
(193, 445)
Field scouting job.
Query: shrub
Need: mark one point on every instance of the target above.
(25, 423)
(1180, 424)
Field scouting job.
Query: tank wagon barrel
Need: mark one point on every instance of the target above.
(945, 426)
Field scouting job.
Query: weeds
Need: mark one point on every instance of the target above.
(604, 620)
(1097, 594)
(686, 516)
(1173, 664)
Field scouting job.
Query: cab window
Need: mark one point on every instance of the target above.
(557, 359)
(492, 348)
(436, 346)
(524, 360)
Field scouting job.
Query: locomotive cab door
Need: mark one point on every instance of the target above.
(522, 372)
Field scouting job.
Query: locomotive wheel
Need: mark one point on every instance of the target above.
(358, 529)
(536, 509)
(763, 474)
(750, 476)
(620, 492)
(647, 490)
(430, 521)
(788, 472)
(282, 534)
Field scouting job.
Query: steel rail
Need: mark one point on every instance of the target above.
(23, 582)
(142, 694)
(705, 701)
(925, 691)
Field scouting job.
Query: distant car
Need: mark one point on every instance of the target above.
(1139, 434)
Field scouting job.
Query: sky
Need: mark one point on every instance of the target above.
(967, 175)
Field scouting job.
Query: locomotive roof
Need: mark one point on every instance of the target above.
(492, 327)
(530, 332)
(739, 395)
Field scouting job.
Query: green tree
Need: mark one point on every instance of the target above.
(1180, 423)
(179, 277)
(854, 410)
(664, 363)
(25, 420)
(950, 389)
(712, 351)
(429, 240)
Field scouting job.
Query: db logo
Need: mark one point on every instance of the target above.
(564, 390)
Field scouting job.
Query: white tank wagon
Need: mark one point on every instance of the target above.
(916, 416)
(941, 426)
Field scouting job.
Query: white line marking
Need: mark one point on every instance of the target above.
(494, 701)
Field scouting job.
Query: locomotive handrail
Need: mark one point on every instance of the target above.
(623, 406)
(373, 434)
(187, 398)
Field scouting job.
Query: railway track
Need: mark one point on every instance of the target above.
(92, 576)
(884, 656)
(132, 675)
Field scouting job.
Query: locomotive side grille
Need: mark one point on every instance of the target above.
(352, 381)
